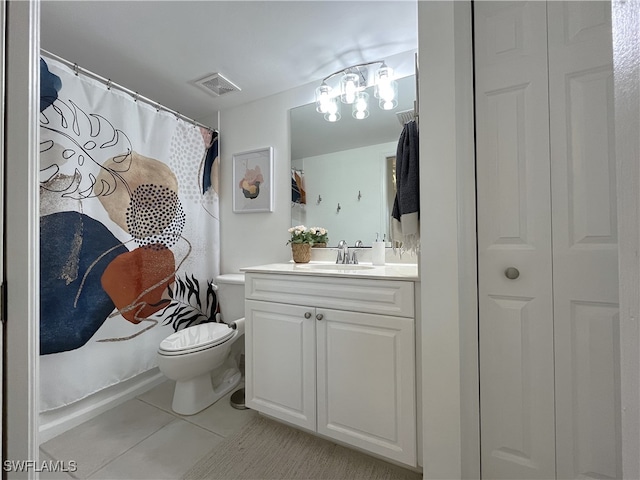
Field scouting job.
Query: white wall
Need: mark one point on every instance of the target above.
(626, 57)
(447, 264)
(257, 238)
(210, 120)
(22, 258)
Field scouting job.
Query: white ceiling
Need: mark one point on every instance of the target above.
(158, 48)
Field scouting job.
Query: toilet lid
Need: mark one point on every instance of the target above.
(197, 337)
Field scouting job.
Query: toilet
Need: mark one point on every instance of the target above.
(198, 357)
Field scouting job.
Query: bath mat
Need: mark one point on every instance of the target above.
(268, 450)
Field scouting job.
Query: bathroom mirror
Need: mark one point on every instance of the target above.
(348, 168)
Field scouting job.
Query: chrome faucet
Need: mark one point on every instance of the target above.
(354, 259)
(343, 252)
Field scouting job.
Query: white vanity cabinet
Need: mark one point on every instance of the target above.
(336, 356)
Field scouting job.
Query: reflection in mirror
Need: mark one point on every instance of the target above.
(343, 173)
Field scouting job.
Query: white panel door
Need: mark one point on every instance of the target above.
(585, 260)
(281, 361)
(366, 382)
(514, 231)
(578, 329)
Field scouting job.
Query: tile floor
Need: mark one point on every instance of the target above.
(143, 439)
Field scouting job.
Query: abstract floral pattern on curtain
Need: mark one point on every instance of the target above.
(129, 233)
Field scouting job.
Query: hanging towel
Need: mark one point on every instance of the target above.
(298, 193)
(295, 190)
(301, 187)
(211, 156)
(405, 228)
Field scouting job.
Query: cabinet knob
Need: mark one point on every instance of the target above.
(512, 273)
(319, 316)
(307, 314)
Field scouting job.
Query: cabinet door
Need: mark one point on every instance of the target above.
(280, 363)
(366, 382)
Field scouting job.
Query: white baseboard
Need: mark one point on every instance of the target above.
(55, 422)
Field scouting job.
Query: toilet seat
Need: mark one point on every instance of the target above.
(196, 338)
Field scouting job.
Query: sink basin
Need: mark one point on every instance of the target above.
(334, 266)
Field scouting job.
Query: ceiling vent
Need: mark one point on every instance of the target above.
(216, 85)
(405, 116)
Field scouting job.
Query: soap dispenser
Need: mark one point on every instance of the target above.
(378, 252)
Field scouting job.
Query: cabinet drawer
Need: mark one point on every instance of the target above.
(387, 297)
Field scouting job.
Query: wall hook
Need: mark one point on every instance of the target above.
(359, 195)
(338, 209)
(319, 200)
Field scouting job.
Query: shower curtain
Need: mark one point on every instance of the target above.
(129, 228)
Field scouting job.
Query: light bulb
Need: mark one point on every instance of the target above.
(387, 92)
(387, 104)
(333, 111)
(349, 86)
(361, 106)
(384, 81)
(323, 98)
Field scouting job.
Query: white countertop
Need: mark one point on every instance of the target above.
(390, 271)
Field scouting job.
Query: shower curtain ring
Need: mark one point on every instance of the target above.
(109, 83)
(76, 69)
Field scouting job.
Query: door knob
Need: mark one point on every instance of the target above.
(512, 273)
(319, 316)
(307, 314)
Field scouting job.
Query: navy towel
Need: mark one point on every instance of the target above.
(405, 230)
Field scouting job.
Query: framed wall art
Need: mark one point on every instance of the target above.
(253, 181)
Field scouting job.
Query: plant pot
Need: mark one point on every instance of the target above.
(319, 245)
(301, 252)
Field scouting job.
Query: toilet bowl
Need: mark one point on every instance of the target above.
(197, 357)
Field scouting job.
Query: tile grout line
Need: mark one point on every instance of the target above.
(134, 445)
(129, 449)
(185, 418)
(174, 418)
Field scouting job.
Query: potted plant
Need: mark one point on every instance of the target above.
(319, 237)
(301, 241)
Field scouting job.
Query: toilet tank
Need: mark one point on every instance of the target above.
(231, 296)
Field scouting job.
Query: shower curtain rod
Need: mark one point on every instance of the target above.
(111, 84)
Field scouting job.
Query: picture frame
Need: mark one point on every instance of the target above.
(253, 181)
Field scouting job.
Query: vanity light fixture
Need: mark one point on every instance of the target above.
(353, 84)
